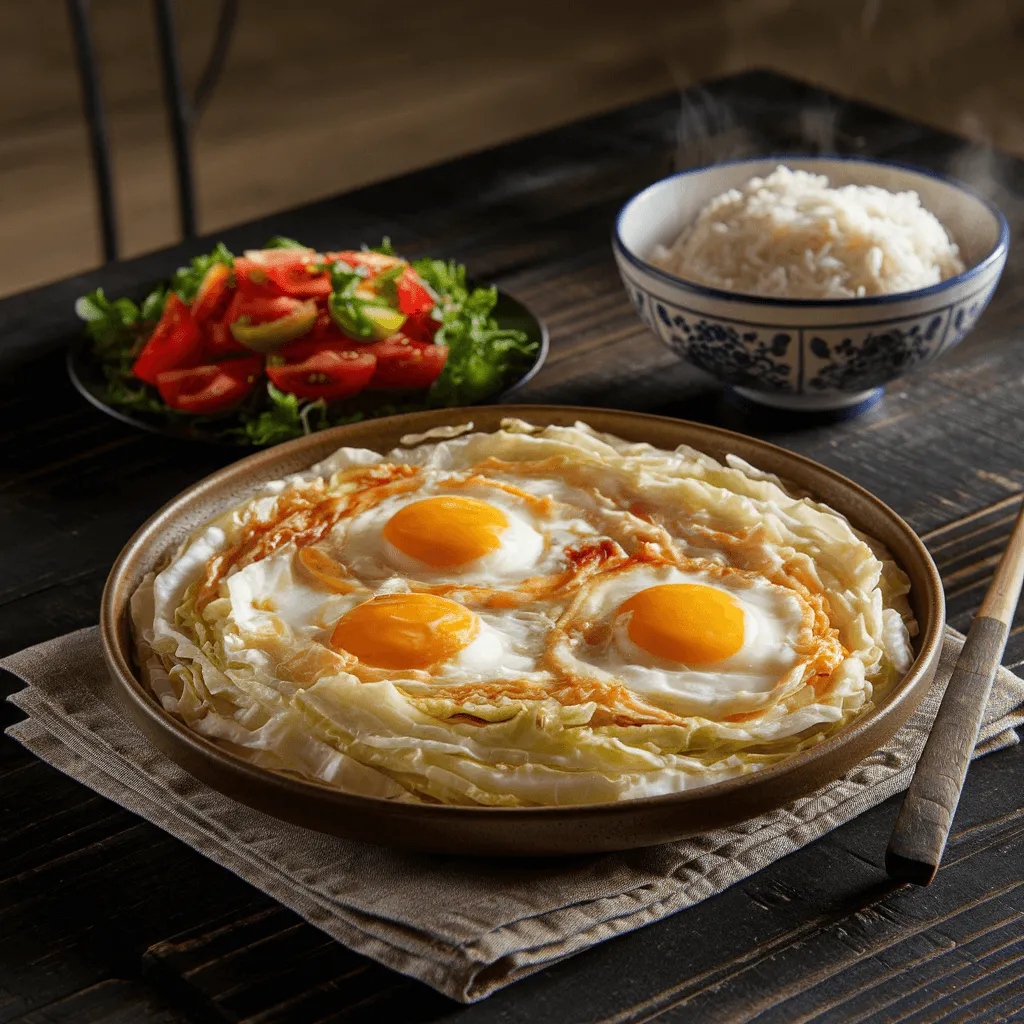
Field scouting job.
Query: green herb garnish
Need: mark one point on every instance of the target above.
(362, 320)
(480, 353)
(285, 418)
(280, 242)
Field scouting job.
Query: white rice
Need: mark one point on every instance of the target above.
(791, 236)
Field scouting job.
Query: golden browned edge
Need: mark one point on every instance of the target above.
(554, 829)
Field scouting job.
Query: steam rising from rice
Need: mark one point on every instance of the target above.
(791, 236)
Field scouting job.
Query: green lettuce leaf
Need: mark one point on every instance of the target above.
(447, 279)
(285, 417)
(480, 353)
(127, 392)
(110, 324)
(117, 331)
(186, 280)
(281, 242)
(153, 304)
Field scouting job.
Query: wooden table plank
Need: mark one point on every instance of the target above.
(109, 1002)
(103, 914)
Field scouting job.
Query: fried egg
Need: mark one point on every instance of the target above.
(274, 604)
(468, 534)
(689, 642)
(526, 617)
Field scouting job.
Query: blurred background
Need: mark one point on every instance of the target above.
(320, 97)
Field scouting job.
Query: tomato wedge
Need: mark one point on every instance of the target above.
(219, 343)
(282, 272)
(374, 262)
(174, 343)
(252, 279)
(260, 309)
(303, 280)
(280, 256)
(212, 292)
(414, 298)
(312, 369)
(300, 276)
(262, 324)
(404, 363)
(325, 330)
(210, 388)
(421, 327)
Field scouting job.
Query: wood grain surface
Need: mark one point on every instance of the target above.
(104, 917)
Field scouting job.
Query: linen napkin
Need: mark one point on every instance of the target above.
(465, 926)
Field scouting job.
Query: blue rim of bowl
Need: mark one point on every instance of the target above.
(998, 250)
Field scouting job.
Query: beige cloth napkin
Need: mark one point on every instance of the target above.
(467, 927)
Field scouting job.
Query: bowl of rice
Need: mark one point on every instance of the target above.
(809, 283)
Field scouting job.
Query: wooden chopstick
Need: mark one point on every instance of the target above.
(921, 831)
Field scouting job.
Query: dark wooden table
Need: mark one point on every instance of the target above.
(104, 917)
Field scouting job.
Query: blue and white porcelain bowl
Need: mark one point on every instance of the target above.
(808, 354)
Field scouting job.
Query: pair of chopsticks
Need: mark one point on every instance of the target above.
(919, 837)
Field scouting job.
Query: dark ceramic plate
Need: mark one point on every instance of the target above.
(521, 830)
(87, 376)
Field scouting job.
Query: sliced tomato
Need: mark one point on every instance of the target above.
(174, 343)
(260, 309)
(212, 294)
(421, 327)
(252, 279)
(285, 271)
(314, 369)
(302, 280)
(209, 388)
(280, 256)
(219, 342)
(414, 298)
(325, 330)
(263, 324)
(300, 275)
(374, 262)
(404, 363)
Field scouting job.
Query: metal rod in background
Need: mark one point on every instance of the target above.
(217, 57)
(179, 114)
(85, 55)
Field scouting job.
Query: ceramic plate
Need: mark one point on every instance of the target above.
(517, 831)
(87, 376)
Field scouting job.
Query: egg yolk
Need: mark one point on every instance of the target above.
(445, 532)
(685, 622)
(405, 631)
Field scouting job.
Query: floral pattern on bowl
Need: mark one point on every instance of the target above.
(837, 361)
(807, 354)
(738, 353)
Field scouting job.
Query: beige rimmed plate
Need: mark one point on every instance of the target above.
(516, 831)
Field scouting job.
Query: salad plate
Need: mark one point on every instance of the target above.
(214, 367)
